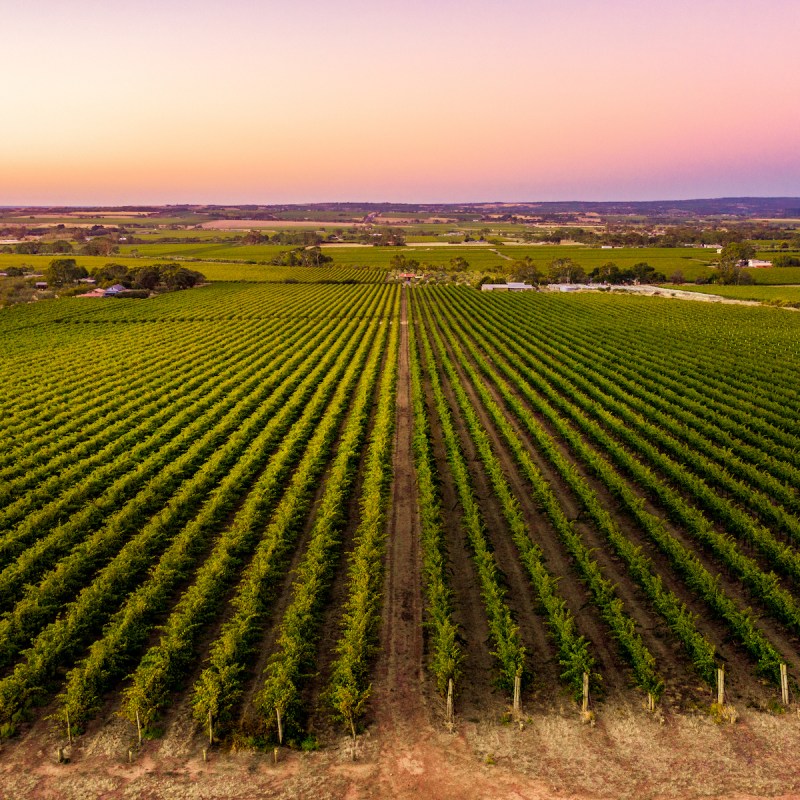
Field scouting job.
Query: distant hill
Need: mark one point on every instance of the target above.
(666, 210)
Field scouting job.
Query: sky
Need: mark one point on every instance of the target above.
(288, 101)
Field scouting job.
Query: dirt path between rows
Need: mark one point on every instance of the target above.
(398, 687)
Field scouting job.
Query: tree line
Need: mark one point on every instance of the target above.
(167, 276)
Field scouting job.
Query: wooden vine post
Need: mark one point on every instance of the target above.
(721, 686)
(449, 708)
(280, 725)
(651, 702)
(784, 685)
(210, 730)
(138, 727)
(585, 707)
(517, 712)
(69, 727)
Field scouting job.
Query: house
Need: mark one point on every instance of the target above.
(94, 293)
(113, 290)
(758, 263)
(40, 285)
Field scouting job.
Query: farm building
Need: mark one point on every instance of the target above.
(506, 287)
(758, 263)
(115, 289)
(40, 285)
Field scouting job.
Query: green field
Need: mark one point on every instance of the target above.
(219, 271)
(220, 250)
(779, 295)
(186, 233)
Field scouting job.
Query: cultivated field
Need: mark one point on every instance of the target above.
(786, 295)
(251, 515)
(238, 271)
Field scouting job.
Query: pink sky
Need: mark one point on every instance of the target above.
(244, 101)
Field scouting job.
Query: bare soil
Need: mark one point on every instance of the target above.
(405, 754)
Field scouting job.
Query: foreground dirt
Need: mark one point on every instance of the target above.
(628, 754)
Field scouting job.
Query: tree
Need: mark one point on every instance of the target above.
(146, 277)
(174, 276)
(112, 273)
(644, 273)
(565, 270)
(736, 254)
(732, 274)
(63, 271)
(255, 237)
(313, 257)
(677, 277)
(524, 269)
(27, 248)
(402, 264)
(459, 264)
(301, 257)
(101, 246)
(607, 273)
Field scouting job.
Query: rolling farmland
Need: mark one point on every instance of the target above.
(256, 514)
